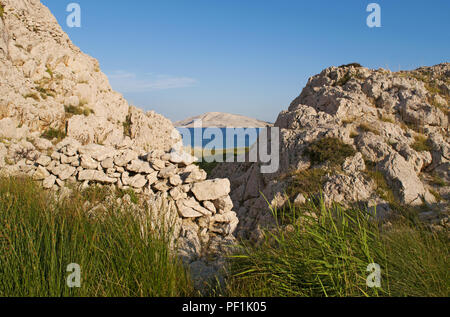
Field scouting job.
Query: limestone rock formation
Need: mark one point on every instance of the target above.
(396, 123)
(47, 84)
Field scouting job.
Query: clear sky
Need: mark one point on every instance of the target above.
(252, 57)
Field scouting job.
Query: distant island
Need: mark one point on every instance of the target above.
(222, 120)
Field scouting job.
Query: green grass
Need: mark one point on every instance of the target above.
(421, 144)
(327, 255)
(127, 126)
(2, 10)
(40, 236)
(306, 182)
(51, 134)
(80, 110)
(345, 79)
(331, 150)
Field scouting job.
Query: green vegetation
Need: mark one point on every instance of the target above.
(438, 181)
(326, 252)
(127, 126)
(49, 71)
(130, 192)
(2, 10)
(367, 128)
(40, 236)
(51, 134)
(80, 110)
(421, 144)
(306, 182)
(33, 96)
(356, 65)
(331, 150)
(341, 82)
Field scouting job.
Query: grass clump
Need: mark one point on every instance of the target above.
(345, 79)
(80, 110)
(130, 192)
(306, 182)
(326, 253)
(2, 10)
(32, 96)
(367, 128)
(331, 150)
(118, 255)
(438, 181)
(356, 65)
(52, 133)
(127, 126)
(421, 144)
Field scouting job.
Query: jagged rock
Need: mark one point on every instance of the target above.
(190, 208)
(405, 183)
(195, 175)
(44, 160)
(175, 180)
(41, 173)
(223, 204)
(125, 157)
(137, 181)
(49, 182)
(168, 172)
(88, 162)
(139, 166)
(354, 164)
(43, 144)
(64, 171)
(211, 189)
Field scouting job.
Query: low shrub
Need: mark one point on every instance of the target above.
(329, 149)
(421, 144)
(52, 133)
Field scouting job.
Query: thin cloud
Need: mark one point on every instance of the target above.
(128, 82)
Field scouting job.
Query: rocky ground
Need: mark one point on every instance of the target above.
(372, 137)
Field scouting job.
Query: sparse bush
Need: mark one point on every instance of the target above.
(32, 96)
(438, 181)
(344, 79)
(306, 182)
(51, 134)
(331, 150)
(72, 110)
(127, 126)
(356, 65)
(421, 144)
(367, 128)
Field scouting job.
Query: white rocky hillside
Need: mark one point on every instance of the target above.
(48, 85)
(63, 125)
(372, 137)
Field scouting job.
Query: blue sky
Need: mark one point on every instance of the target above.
(252, 57)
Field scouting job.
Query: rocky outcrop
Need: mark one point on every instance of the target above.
(396, 123)
(48, 84)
